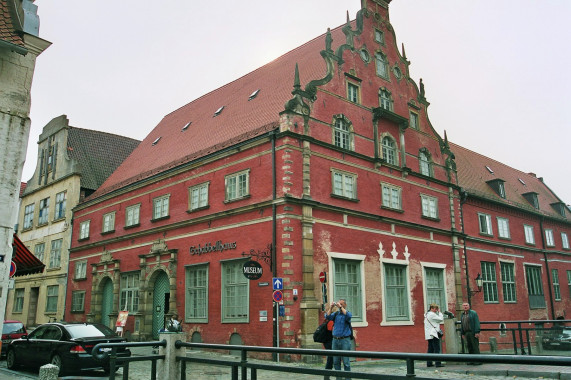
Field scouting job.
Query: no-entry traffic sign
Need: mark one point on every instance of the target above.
(322, 277)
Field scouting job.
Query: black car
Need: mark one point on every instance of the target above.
(557, 339)
(66, 345)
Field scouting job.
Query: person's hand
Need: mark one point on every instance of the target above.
(477, 336)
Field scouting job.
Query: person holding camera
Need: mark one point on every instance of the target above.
(432, 320)
(341, 333)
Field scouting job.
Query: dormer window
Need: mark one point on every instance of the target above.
(532, 199)
(498, 186)
(218, 111)
(559, 207)
(253, 94)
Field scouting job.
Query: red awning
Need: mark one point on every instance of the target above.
(26, 261)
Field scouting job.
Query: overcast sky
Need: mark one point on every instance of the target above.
(496, 72)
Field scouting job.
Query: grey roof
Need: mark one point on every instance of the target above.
(98, 154)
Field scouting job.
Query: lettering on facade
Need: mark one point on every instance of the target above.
(209, 247)
(252, 270)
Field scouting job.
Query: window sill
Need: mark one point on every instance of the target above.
(401, 211)
(107, 232)
(485, 234)
(160, 219)
(80, 279)
(42, 224)
(77, 312)
(530, 244)
(53, 269)
(237, 199)
(132, 226)
(190, 211)
(27, 229)
(83, 239)
(505, 238)
(431, 218)
(58, 219)
(356, 200)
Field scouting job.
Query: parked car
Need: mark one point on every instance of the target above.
(11, 330)
(67, 345)
(557, 339)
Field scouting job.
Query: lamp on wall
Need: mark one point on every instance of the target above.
(479, 283)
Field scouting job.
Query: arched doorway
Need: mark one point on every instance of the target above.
(161, 298)
(106, 301)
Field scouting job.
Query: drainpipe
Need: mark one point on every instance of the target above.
(546, 267)
(463, 199)
(275, 310)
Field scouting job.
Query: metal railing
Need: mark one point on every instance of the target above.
(521, 336)
(242, 365)
(115, 362)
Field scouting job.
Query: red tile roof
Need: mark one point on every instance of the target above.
(7, 31)
(22, 188)
(241, 119)
(473, 177)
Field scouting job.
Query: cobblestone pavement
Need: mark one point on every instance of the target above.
(201, 371)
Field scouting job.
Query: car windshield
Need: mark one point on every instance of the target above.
(89, 331)
(13, 328)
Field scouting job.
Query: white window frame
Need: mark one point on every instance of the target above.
(237, 185)
(348, 182)
(331, 257)
(52, 296)
(556, 285)
(507, 276)
(429, 206)
(503, 227)
(549, 239)
(80, 271)
(108, 222)
(55, 253)
(389, 152)
(84, 229)
(385, 99)
(485, 224)
(569, 282)
(564, 240)
(427, 300)
(235, 293)
(490, 282)
(161, 206)
(77, 301)
(407, 296)
(196, 301)
(29, 216)
(198, 196)
(353, 92)
(39, 251)
(43, 215)
(391, 196)
(129, 292)
(379, 36)
(59, 212)
(342, 133)
(132, 215)
(424, 165)
(529, 234)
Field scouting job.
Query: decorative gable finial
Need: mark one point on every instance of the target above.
(348, 20)
(296, 83)
(403, 52)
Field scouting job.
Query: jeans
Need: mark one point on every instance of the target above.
(433, 348)
(329, 362)
(345, 345)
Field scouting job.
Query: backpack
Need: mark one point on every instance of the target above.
(322, 334)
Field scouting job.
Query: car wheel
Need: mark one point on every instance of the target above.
(11, 359)
(56, 360)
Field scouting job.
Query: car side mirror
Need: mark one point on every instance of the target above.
(25, 336)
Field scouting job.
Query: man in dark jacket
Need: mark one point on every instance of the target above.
(470, 329)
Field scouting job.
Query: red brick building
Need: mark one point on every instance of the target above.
(323, 160)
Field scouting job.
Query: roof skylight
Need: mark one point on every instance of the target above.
(489, 169)
(218, 111)
(253, 94)
(186, 126)
(156, 140)
(521, 180)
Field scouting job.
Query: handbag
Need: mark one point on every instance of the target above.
(322, 334)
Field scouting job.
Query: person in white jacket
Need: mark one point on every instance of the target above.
(432, 320)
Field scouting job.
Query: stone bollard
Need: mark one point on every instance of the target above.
(493, 345)
(451, 337)
(48, 372)
(170, 367)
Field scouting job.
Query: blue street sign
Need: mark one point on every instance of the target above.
(278, 283)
